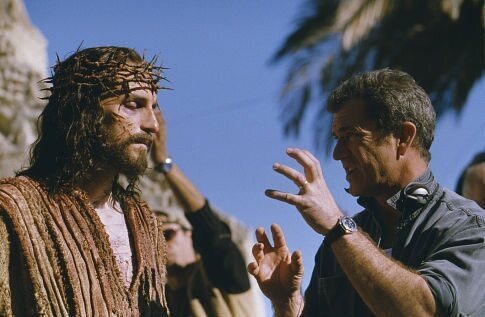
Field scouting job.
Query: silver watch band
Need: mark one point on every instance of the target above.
(165, 166)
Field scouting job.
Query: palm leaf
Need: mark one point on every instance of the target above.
(439, 42)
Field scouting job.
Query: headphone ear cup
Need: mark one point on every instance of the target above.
(418, 194)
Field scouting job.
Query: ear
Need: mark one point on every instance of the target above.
(405, 141)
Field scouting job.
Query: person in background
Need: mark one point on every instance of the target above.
(207, 273)
(417, 249)
(74, 241)
(471, 183)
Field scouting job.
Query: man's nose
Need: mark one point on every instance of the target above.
(149, 121)
(338, 150)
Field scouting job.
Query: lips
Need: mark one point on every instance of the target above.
(348, 171)
(141, 139)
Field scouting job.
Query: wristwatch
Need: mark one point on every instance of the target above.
(165, 166)
(345, 225)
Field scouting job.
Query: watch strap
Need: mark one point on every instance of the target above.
(340, 229)
(165, 166)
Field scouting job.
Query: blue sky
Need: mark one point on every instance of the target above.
(223, 112)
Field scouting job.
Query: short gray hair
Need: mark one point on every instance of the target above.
(391, 97)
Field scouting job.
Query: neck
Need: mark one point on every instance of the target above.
(387, 216)
(412, 171)
(405, 174)
(98, 188)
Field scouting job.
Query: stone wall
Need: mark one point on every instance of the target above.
(23, 63)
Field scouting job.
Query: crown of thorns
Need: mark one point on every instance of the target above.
(104, 78)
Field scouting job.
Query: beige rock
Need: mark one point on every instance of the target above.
(23, 63)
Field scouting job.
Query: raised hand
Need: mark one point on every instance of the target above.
(159, 150)
(278, 272)
(314, 200)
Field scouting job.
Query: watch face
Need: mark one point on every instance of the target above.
(349, 224)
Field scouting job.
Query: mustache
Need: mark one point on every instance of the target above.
(141, 137)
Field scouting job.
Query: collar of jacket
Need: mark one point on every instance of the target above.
(404, 200)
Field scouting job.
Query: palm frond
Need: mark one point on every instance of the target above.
(439, 42)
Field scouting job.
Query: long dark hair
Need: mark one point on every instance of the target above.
(63, 155)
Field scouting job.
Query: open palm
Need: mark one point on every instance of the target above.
(277, 272)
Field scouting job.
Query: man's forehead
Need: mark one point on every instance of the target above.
(353, 113)
(140, 93)
(171, 226)
(131, 87)
(140, 90)
(130, 77)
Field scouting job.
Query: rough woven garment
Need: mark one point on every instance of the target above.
(67, 267)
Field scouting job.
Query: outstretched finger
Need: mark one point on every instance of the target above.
(258, 252)
(297, 177)
(310, 164)
(297, 263)
(278, 236)
(316, 163)
(262, 238)
(253, 269)
(282, 196)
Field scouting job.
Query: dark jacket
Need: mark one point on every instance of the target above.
(441, 237)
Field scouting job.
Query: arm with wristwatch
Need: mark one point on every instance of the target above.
(191, 199)
(223, 261)
(385, 285)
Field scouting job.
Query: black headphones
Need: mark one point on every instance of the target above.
(417, 193)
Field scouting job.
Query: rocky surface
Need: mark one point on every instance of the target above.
(23, 63)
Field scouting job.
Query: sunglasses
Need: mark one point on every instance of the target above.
(170, 233)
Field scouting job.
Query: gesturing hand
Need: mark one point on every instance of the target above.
(314, 200)
(277, 272)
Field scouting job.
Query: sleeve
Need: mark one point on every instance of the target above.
(312, 305)
(311, 295)
(5, 294)
(222, 260)
(455, 272)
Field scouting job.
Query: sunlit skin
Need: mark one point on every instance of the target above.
(180, 250)
(180, 254)
(377, 166)
(474, 184)
(370, 161)
(130, 123)
(132, 115)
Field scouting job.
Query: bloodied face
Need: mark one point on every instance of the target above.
(127, 129)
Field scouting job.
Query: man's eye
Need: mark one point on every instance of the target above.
(344, 137)
(131, 105)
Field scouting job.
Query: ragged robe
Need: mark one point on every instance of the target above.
(56, 259)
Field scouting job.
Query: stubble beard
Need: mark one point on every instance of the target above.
(118, 156)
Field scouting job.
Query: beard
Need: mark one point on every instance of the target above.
(116, 154)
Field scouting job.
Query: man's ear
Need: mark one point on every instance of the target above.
(405, 141)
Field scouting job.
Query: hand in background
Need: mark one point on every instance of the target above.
(159, 148)
(278, 273)
(314, 200)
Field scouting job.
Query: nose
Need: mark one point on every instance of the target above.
(149, 121)
(338, 150)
